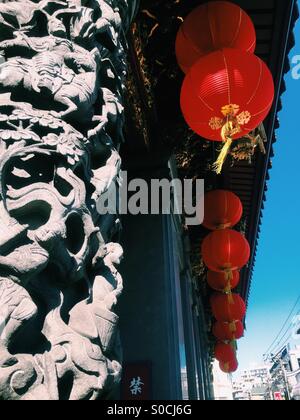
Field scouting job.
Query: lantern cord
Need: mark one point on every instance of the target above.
(229, 129)
(234, 345)
(230, 298)
(229, 278)
(228, 287)
(223, 226)
(229, 275)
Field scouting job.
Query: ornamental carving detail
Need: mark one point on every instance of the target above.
(62, 77)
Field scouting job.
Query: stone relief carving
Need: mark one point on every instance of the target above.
(61, 118)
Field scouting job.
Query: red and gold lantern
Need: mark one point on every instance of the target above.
(210, 27)
(229, 367)
(225, 250)
(222, 209)
(228, 331)
(226, 95)
(227, 308)
(224, 352)
(223, 281)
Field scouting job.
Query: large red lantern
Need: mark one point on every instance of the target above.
(228, 85)
(225, 250)
(224, 352)
(222, 209)
(227, 308)
(228, 331)
(210, 27)
(229, 367)
(225, 96)
(223, 281)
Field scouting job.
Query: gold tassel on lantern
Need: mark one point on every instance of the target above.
(230, 126)
(228, 130)
(230, 298)
(218, 165)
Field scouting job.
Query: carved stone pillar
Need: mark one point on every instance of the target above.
(61, 117)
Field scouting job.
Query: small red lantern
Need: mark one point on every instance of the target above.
(227, 308)
(226, 95)
(210, 27)
(222, 209)
(228, 331)
(224, 352)
(229, 367)
(223, 281)
(225, 250)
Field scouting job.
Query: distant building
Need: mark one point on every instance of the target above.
(223, 389)
(259, 392)
(285, 372)
(254, 384)
(256, 375)
(296, 388)
(241, 395)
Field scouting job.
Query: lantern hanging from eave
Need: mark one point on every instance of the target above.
(222, 209)
(229, 367)
(225, 250)
(226, 95)
(227, 307)
(223, 281)
(210, 27)
(228, 331)
(224, 352)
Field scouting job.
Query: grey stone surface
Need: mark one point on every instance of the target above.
(61, 83)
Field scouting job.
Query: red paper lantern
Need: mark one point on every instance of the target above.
(223, 281)
(222, 209)
(228, 331)
(224, 352)
(225, 250)
(227, 308)
(227, 94)
(229, 367)
(210, 27)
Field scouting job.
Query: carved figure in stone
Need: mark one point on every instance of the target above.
(17, 15)
(61, 86)
(109, 21)
(100, 18)
(111, 113)
(104, 177)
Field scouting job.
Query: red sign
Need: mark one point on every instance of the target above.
(136, 381)
(278, 396)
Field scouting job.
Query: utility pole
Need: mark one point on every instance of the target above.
(283, 375)
(286, 383)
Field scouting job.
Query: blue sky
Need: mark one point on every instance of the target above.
(276, 280)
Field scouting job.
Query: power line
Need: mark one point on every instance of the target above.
(279, 345)
(287, 339)
(284, 325)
